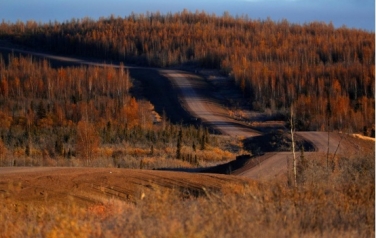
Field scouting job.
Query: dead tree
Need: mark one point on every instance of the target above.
(292, 130)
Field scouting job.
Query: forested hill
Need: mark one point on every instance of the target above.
(326, 73)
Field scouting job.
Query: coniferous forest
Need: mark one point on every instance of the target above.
(95, 115)
(326, 73)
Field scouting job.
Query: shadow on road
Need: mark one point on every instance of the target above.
(226, 168)
(155, 87)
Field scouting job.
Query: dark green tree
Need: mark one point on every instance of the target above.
(203, 142)
(59, 147)
(179, 144)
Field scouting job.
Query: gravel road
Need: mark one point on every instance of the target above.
(212, 113)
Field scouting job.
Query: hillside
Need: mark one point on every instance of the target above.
(325, 73)
(98, 117)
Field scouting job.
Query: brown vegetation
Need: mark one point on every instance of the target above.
(85, 116)
(118, 202)
(54, 116)
(87, 141)
(275, 64)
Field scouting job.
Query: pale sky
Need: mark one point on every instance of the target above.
(352, 13)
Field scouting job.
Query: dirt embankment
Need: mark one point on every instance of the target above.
(188, 98)
(91, 185)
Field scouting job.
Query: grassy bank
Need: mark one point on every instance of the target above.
(338, 203)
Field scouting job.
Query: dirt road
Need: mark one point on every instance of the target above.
(205, 109)
(272, 165)
(213, 114)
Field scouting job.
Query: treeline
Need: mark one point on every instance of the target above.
(54, 97)
(326, 73)
(76, 112)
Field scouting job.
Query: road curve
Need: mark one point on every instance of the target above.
(320, 140)
(271, 164)
(207, 110)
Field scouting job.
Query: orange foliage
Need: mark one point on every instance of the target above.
(3, 152)
(87, 141)
(5, 120)
(267, 60)
(130, 111)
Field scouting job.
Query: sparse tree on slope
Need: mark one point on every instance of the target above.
(87, 141)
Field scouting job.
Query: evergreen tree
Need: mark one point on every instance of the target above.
(203, 144)
(152, 150)
(59, 147)
(179, 144)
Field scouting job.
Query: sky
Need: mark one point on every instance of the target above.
(351, 13)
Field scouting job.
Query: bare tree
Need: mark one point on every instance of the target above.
(328, 115)
(292, 131)
(87, 141)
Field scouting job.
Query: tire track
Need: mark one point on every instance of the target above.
(270, 165)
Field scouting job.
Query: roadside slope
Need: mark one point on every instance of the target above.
(49, 185)
(211, 113)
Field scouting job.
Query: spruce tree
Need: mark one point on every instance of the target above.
(179, 144)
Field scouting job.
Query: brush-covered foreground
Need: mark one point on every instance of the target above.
(134, 203)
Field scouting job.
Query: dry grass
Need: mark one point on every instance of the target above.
(125, 157)
(331, 204)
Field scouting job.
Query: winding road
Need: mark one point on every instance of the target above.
(214, 114)
(207, 110)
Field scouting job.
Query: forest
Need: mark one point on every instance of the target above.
(89, 116)
(86, 115)
(326, 74)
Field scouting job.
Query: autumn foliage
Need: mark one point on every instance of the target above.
(87, 141)
(64, 111)
(275, 64)
(53, 116)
